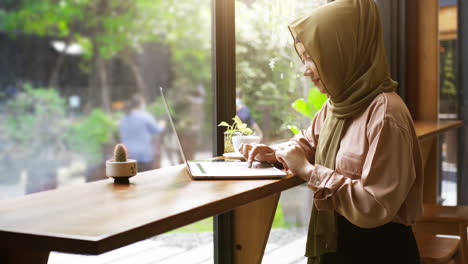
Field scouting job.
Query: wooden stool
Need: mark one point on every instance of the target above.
(438, 250)
(444, 220)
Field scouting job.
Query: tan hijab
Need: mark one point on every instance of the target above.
(344, 39)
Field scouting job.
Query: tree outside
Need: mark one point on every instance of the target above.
(269, 71)
(70, 67)
(93, 55)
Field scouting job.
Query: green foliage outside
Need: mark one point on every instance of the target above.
(104, 27)
(88, 136)
(278, 220)
(157, 109)
(269, 71)
(448, 86)
(37, 123)
(448, 77)
(39, 134)
(35, 129)
(119, 29)
(266, 61)
(206, 225)
(308, 108)
(265, 68)
(35, 109)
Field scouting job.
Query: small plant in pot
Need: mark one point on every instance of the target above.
(237, 134)
(120, 167)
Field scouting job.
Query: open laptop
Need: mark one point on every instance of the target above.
(221, 169)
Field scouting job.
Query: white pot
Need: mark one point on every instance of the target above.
(240, 139)
(121, 171)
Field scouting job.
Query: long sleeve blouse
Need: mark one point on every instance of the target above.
(378, 174)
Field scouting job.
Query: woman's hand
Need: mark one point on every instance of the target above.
(294, 159)
(259, 152)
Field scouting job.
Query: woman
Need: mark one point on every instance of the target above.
(360, 156)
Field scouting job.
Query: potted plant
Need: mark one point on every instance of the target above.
(237, 134)
(120, 168)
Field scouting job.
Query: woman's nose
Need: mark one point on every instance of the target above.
(307, 71)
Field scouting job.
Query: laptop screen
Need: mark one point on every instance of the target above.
(173, 128)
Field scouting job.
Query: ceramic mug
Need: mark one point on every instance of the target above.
(238, 140)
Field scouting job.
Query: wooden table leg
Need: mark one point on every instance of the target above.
(252, 224)
(429, 152)
(19, 256)
(462, 231)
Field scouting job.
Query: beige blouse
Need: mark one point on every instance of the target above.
(379, 174)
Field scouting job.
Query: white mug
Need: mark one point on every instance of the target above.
(238, 140)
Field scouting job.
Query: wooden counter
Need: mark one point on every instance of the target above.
(426, 129)
(100, 216)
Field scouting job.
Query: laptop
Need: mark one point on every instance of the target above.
(223, 169)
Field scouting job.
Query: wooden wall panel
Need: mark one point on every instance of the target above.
(422, 60)
(422, 80)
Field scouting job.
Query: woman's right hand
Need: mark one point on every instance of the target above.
(258, 152)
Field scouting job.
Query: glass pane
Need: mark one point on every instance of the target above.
(448, 94)
(269, 71)
(269, 79)
(448, 100)
(79, 76)
(449, 167)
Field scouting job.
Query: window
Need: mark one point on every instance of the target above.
(269, 79)
(70, 73)
(269, 73)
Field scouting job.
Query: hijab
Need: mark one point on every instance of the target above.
(344, 39)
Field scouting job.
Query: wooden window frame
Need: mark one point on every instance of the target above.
(463, 99)
(224, 83)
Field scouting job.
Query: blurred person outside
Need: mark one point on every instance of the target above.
(138, 131)
(243, 112)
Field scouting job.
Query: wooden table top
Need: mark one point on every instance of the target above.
(96, 217)
(425, 129)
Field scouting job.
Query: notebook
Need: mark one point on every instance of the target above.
(222, 169)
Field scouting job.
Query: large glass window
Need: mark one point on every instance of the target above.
(274, 98)
(79, 76)
(269, 72)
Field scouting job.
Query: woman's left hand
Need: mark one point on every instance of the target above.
(294, 159)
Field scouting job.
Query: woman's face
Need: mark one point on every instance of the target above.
(310, 70)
